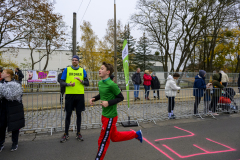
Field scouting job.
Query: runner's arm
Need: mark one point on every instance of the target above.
(97, 97)
(118, 99)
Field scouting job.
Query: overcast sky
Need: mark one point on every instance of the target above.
(98, 13)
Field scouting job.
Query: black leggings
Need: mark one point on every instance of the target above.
(171, 104)
(68, 121)
(197, 101)
(214, 103)
(15, 135)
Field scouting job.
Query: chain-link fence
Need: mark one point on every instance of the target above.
(43, 110)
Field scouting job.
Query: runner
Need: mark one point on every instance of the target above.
(110, 95)
(74, 78)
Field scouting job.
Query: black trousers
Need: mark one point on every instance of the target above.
(197, 101)
(62, 93)
(214, 103)
(15, 135)
(157, 93)
(68, 121)
(224, 84)
(171, 104)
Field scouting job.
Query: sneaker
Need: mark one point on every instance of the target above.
(14, 148)
(64, 138)
(1, 147)
(79, 137)
(154, 96)
(138, 98)
(140, 135)
(148, 99)
(135, 99)
(215, 114)
(171, 117)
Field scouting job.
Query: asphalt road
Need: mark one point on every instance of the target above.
(192, 139)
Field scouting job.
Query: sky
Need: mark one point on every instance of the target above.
(97, 13)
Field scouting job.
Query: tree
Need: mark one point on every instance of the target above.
(7, 63)
(15, 20)
(141, 57)
(175, 27)
(90, 58)
(126, 34)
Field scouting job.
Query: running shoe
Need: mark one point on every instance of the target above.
(1, 147)
(64, 138)
(14, 147)
(140, 135)
(79, 137)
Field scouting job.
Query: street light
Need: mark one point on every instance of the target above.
(115, 42)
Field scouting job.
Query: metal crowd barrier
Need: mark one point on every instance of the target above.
(44, 112)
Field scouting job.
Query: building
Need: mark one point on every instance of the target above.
(21, 56)
(58, 59)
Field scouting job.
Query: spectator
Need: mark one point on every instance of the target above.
(225, 79)
(171, 89)
(207, 98)
(112, 77)
(20, 75)
(147, 83)
(239, 82)
(155, 84)
(220, 76)
(136, 79)
(217, 92)
(11, 108)
(1, 69)
(62, 88)
(198, 88)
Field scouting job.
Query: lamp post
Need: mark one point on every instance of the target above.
(115, 42)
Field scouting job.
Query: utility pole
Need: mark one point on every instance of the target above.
(115, 42)
(74, 33)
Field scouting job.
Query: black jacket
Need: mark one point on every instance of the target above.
(20, 75)
(155, 84)
(59, 81)
(239, 80)
(11, 114)
(136, 78)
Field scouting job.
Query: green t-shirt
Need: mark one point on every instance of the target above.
(108, 90)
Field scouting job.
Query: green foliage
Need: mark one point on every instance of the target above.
(142, 55)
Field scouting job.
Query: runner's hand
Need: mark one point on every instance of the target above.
(78, 79)
(104, 103)
(72, 84)
(91, 101)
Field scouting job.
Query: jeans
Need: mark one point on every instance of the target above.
(136, 90)
(147, 88)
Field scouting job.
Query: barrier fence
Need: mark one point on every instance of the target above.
(44, 112)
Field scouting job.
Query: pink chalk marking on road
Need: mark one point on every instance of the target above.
(205, 151)
(156, 148)
(191, 134)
